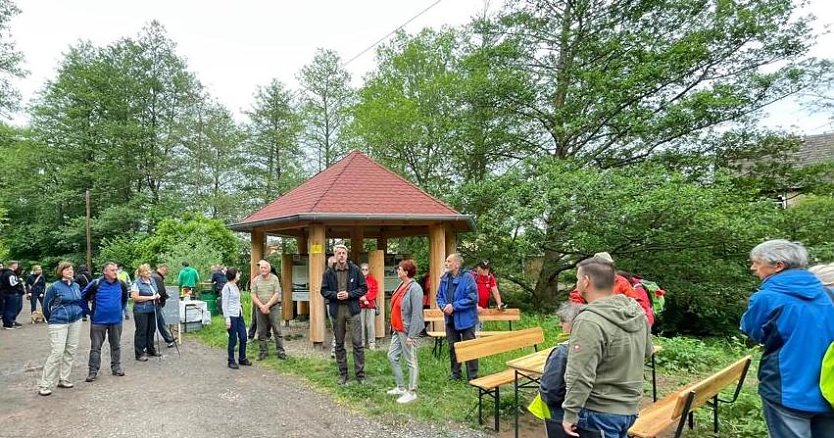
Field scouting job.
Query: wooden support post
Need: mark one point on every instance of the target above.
(357, 239)
(316, 270)
(451, 241)
(376, 260)
(437, 259)
(303, 307)
(382, 244)
(286, 286)
(257, 237)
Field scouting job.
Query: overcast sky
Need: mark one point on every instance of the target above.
(234, 46)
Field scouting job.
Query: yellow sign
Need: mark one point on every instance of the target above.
(315, 249)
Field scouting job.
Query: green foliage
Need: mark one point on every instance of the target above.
(192, 231)
(126, 251)
(811, 222)
(10, 60)
(200, 251)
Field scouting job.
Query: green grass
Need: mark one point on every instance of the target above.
(683, 361)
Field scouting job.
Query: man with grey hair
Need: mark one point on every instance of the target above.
(343, 285)
(266, 297)
(791, 315)
(609, 342)
(107, 296)
(457, 296)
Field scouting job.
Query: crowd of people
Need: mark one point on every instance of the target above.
(592, 382)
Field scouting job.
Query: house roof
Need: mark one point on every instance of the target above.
(815, 149)
(359, 189)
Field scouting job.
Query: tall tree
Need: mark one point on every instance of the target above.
(10, 60)
(326, 96)
(613, 82)
(274, 151)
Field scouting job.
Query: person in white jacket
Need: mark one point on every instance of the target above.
(235, 325)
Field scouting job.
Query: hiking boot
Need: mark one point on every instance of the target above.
(142, 358)
(119, 373)
(154, 354)
(233, 366)
(245, 362)
(91, 376)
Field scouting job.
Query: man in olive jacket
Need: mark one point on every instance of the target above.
(609, 343)
(343, 285)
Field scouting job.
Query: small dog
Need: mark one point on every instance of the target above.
(37, 316)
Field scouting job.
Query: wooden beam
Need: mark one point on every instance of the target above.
(257, 239)
(382, 244)
(376, 260)
(451, 240)
(437, 259)
(316, 271)
(303, 307)
(286, 286)
(357, 243)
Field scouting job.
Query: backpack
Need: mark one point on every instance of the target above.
(92, 290)
(827, 370)
(656, 295)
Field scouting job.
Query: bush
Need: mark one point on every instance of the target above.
(200, 252)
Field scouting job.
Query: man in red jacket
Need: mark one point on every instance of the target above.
(367, 303)
(621, 286)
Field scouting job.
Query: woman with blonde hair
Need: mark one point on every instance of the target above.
(144, 294)
(62, 311)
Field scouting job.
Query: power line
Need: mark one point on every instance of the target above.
(391, 33)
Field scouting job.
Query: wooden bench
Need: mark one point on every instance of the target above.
(491, 345)
(677, 407)
(437, 316)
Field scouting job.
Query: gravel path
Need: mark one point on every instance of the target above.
(191, 395)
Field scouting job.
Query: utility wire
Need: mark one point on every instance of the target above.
(390, 33)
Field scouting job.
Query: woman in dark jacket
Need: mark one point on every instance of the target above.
(62, 311)
(36, 285)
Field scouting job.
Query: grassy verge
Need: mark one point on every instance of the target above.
(683, 361)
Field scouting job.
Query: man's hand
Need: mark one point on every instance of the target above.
(343, 295)
(228, 325)
(264, 309)
(448, 309)
(569, 428)
(480, 310)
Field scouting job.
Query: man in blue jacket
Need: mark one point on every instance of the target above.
(793, 317)
(458, 298)
(107, 295)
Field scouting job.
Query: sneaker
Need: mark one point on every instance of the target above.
(8, 327)
(17, 324)
(44, 392)
(154, 354)
(233, 366)
(142, 358)
(245, 362)
(395, 391)
(119, 373)
(172, 344)
(65, 384)
(282, 356)
(92, 376)
(408, 397)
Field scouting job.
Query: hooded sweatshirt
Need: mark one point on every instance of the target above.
(609, 343)
(791, 315)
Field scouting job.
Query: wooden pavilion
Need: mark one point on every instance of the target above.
(354, 199)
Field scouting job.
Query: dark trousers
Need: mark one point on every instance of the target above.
(254, 327)
(34, 299)
(12, 305)
(265, 323)
(162, 327)
(343, 317)
(114, 336)
(145, 329)
(237, 332)
(453, 336)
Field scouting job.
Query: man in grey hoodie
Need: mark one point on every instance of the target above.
(609, 342)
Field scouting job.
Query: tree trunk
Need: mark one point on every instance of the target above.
(546, 294)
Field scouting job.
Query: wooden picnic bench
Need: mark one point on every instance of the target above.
(490, 345)
(436, 315)
(677, 407)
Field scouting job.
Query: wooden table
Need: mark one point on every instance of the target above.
(531, 368)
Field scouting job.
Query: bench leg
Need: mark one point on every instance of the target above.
(480, 406)
(515, 405)
(497, 403)
(715, 414)
(691, 417)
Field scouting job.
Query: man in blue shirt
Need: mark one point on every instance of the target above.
(107, 296)
(458, 298)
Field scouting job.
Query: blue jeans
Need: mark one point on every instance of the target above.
(783, 422)
(237, 332)
(34, 299)
(611, 425)
(12, 305)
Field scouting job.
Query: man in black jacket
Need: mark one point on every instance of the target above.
(343, 285)
(159, 284)
(11, 292)
(83, 277)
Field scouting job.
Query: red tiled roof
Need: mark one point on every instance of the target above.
(354, 186)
